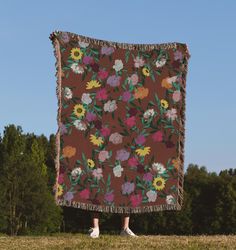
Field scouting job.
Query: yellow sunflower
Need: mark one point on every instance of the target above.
(146, 71)
(79, 110)
(159, 183)
(143, 152)
(96, 140)
(76, 53)
(93, 84)
(164, 103)
(90, 163)
(59, 190)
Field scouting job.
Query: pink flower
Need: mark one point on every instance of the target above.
(109, 196)
(102, 74)
(157, 136)
(84, 194)
(105, 131)
(176, 95)
(103, 155)
(133, 161)
(136, 199)
(101, 94)
(98, 173)
(60, 178)
(126, 96)
(116, 138)
(140, 139)
(138, 62)
(130, 121)
(133, 79)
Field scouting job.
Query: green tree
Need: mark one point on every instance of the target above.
(28, 205)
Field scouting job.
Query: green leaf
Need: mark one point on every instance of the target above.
(153, 78)
(127, 54)
(109, 180)
(84, 158)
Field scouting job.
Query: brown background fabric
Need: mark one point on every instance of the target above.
(160, 152)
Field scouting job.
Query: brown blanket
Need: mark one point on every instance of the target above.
(121, 124)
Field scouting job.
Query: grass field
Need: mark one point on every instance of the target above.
(82, 241)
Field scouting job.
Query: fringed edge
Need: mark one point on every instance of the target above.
(180, 193)
(116, 209)
(57, 55)
(130, 46)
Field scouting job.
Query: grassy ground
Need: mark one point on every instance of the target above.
(82, 241)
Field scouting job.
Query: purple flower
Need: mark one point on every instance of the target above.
(87, 60)
(63, 129)
(90, 116)
(107, 50)
(127, 187)
(140, 139)
(126, 96)
(109, 196)
(147, 176)
(178, 55)
(68, 196)
(65, 37)
(113, 80)
(122, 155)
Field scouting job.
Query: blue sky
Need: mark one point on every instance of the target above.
(28, 84)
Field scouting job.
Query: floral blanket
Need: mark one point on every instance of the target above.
(121, 124)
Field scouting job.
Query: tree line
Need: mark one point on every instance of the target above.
(27, 206)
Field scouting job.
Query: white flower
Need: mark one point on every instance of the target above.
(172, 79)
(86, 98)
(171, 114)
(152, 195)
(117, 170)
(67, 93)
(110, 106)
(118, 65)
(80, 125)
(148, 113)
(158, 167)
(75, 172)
(83, 44)
(76, 68)
(160, 62)
(170, 199)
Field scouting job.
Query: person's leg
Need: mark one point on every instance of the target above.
(125, 220)
(95, 219)
(125, 230)
(94, 230)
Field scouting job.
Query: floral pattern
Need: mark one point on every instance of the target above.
(121, 124)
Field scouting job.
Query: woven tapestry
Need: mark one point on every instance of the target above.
(121, 124)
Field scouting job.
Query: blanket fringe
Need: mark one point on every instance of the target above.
(130, 46)
(181, 146)
(57, 55)
(116, 209)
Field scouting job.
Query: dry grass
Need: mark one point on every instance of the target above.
(82, 241)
